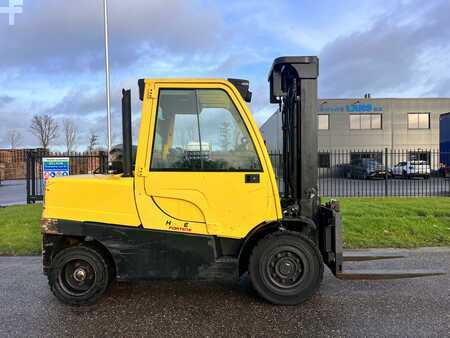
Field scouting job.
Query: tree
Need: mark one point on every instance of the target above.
(14, 138)
(45, 128)
(93, 141)
(70, 135)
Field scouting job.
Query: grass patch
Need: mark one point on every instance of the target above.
(396, 222)
(20, 232)
(368, 223)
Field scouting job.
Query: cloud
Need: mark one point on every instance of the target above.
(52, 60)
(67, 36)
(389, 56)
(9, 121)
(79, 102)
(5, 99)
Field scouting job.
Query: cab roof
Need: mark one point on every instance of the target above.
(240, 84)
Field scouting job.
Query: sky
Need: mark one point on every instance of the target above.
(52, 58)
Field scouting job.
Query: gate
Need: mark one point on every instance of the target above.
(80, 163)
(377, 173)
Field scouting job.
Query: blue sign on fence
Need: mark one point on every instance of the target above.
(55, 167)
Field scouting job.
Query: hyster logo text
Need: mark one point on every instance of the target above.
(15, 7)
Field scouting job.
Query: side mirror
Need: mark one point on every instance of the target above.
(243, 87)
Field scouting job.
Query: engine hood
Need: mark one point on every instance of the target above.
(91, 198)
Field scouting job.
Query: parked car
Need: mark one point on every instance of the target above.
(366, 168)
(444, 170)
(412, 169)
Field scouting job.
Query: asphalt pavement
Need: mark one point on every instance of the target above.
(414, 307)
(435, 186)
(13, 192)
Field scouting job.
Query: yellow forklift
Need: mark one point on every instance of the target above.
(200, 199)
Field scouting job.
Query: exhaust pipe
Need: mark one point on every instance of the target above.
(126, 132)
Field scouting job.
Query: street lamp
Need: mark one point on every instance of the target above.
(108, 84)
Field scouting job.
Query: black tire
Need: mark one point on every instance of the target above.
(286, 268)
(91, 282)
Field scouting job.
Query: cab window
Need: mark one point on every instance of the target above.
(201, 130)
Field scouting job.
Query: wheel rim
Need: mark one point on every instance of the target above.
(285, 267)
(77, 277)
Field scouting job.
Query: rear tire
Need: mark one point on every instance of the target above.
(286, 268)
(79, 275)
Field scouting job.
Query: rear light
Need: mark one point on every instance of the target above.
(49, 226)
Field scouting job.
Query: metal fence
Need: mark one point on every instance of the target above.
(80, 163)
(342, 173)
(387, 172)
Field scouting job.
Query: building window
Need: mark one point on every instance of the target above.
(323, 121)
(418, 120)
(365, 121)
(420, 155)
(324, 160)
(358, 156)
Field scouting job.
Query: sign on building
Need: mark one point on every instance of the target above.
(55, 167)
(352, 108)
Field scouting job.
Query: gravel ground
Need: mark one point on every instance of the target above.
(414, 307)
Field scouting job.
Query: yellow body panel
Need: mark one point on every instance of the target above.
(209, 203)
(91, 198)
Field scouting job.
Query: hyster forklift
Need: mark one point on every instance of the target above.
(200, 199)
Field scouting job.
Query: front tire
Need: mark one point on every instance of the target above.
(79, 275)
(286, 268)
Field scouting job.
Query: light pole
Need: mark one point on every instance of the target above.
(108, 85)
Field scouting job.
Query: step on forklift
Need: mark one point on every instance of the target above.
(200, 200)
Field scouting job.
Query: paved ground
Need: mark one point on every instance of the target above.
(416, 307)
(13, 192)
(435, 186)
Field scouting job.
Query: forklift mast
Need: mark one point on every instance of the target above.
(293, 85)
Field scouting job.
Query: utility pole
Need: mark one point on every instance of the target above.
(108, 84)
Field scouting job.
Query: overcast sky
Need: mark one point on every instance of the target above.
(52, 60)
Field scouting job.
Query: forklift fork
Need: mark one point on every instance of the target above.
(334, 255)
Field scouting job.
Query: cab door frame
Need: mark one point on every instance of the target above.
(147, 132)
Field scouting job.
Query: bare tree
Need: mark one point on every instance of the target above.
(14, 138)
(93, 141)
(45, 128)
(70, 135)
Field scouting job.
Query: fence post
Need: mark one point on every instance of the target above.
(28, 178)
(33, 176)
(386, 172)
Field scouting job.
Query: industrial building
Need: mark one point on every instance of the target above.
(366, 127)
(348, 124)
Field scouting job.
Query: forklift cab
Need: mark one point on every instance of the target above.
(208, 171)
